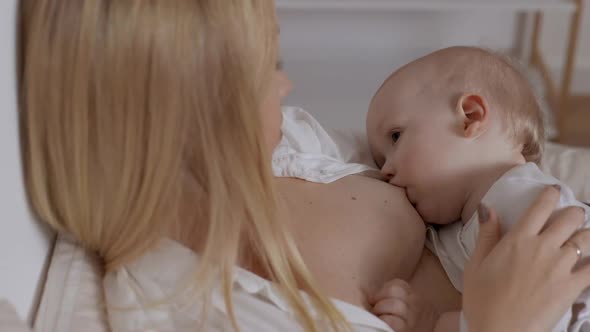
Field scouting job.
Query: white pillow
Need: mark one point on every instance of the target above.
(73, 298)
(570, 165)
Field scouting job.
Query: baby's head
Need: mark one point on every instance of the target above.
(440, 124)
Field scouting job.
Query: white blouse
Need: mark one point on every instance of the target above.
(156, 293)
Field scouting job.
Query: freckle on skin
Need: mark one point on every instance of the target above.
(385, 202)
(353, 198)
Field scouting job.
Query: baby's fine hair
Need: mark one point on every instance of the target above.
(502, 81)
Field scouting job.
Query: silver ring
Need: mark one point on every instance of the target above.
(576, 247)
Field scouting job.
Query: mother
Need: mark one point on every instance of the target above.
(148, 128)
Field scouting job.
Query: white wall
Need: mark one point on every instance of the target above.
(555, 27)
(24, 245)
(338, 59)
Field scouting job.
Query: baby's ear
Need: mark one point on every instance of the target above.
(473, 110)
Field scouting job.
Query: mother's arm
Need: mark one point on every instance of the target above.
(511, 283)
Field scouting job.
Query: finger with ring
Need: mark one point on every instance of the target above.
(578, 246)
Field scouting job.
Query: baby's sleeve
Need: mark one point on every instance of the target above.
(512, 195)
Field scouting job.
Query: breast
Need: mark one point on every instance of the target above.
(354, 234)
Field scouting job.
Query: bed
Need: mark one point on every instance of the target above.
(49, 283)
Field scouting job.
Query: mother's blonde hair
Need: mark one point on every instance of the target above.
(129, 105)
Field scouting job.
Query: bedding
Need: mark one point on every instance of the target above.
(570, 165)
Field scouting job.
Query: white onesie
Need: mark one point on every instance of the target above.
(510, 196)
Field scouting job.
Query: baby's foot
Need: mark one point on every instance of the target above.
(398, 306)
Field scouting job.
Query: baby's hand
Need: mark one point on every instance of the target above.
(398, 306)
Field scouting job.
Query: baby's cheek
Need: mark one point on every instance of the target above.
(422, 169)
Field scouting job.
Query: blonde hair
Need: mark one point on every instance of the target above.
(123, 101)
(501, 80)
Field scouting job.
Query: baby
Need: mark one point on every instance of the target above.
(457, 128)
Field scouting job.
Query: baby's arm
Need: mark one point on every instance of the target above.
(400, 307)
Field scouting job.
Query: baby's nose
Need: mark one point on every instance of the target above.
(388, 169)
(387, 174)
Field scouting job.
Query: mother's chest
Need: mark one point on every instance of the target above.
(354, 235)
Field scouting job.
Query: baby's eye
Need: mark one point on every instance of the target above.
(395, 136)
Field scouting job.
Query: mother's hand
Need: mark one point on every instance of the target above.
(525, 281)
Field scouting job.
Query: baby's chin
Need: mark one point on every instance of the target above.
(436, 214)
